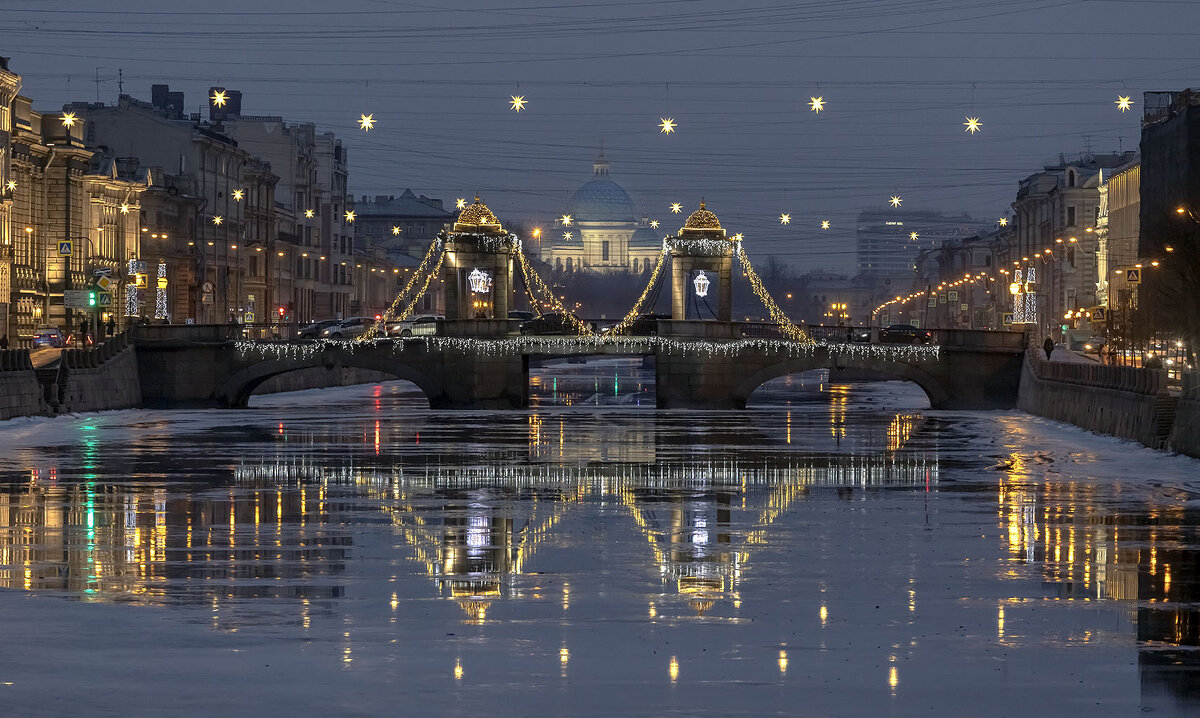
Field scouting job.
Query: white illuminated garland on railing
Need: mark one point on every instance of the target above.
(593, 343)
(553, 302)
(790, 330)
(624, 324)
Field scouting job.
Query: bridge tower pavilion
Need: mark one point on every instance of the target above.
(477, 271)
(702, 260)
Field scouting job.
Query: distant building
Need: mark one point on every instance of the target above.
(888, 242)
(604, 234)
(1117, 230)
(403, 225)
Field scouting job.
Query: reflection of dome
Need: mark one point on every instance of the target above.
(477, 217)
(645, 238)
(702, 222)
(601, 199)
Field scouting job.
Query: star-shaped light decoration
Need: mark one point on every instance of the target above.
(895, 201)
(69, 119)
(566, 220)
(785, 219)
(738, 236)
(1004, 221)
(913, 236)
(1123, 103)
(310, 213)
(666, 125)
(566, 235)
(219, 98)
(349, 215)
(124, 208)
(537, 232)
(460, 203)
(395, 230)
(654, 224)
(824, 224)
(366, 122)
(217, 219)
(518, 103)
(11, 185)
(816, 104)
(676, 207)
(238, 194)
(973, 125)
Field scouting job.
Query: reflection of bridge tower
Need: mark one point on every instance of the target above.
(701, 247)
(477, 270)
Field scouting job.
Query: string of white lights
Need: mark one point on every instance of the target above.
(553, 302)
(624, 324)
(387, 316)
(789, 329)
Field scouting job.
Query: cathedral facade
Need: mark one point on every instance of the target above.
(599, 231)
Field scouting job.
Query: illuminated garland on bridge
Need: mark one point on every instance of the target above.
(624, 324)
(790, 330)
(437, 245)
(595, 343)
(527, 272)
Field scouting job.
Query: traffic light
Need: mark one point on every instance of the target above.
(281, 312)
(91, 297)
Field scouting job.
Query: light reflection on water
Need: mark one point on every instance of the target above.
(783, 522)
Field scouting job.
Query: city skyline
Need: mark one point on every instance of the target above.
(746, 138)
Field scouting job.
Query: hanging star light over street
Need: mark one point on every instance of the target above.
(666, 125)
(460, 203)
(785, 218)
(518, 103)
(1123, 103)
(69, 119)
(366, 122)
(217, 219)
(238, 194)
(395, 230)
(973, 125)
(350, 215)
(566, 220)
(219, 98)
(824, 224)
(816, 104)
(310, 213)
(654, 224)
(895, 201)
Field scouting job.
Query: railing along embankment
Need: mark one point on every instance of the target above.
(1128, 402)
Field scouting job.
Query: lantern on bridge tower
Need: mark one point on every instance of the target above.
(478, 267)
(701, 255)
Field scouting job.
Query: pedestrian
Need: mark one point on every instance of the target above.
(4, 342)
(83, 331)
(111, 327)
(1048, 346)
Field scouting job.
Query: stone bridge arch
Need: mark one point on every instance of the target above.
(235, 391)
(935, 389)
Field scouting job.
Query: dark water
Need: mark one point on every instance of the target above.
(835, 550)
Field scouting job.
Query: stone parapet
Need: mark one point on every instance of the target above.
(1185, 433)
(20, 392)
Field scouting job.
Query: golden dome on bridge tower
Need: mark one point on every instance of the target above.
(476, 218)
(702, 222)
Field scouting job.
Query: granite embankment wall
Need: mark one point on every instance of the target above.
(1185, 434)
(320, 378)
(1127, 402)
(20, 392)
(102, 377)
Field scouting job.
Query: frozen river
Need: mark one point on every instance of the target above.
(835, 550)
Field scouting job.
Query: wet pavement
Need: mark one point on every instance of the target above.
(835, 550)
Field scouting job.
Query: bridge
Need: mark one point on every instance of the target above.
(483, 364)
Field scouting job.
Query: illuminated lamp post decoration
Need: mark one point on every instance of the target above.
(481, 282)
(131, 290)
(1024, 296)
(160, 299)
(701, 283)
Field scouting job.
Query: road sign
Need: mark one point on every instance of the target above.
(104, 283)
(963, 307)
(1099, 314)
(77, 298)
(208, 288)
(953, 296)
(1133, 276)
(64, 248)
(1008, 318)
(102, 271)
(104, 299)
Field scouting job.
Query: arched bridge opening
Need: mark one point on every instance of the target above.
(841, 370)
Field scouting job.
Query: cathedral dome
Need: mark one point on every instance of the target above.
(601, 199)
(476, 217)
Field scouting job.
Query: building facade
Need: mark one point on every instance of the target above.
(889, 241)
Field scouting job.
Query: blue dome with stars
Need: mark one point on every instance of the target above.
(601, 199)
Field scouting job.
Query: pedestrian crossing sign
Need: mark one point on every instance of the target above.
(64, 248)
(104, 299)
(1008, 318)
(1133, 276)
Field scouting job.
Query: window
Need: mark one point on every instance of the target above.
(635, 266)
(604, 251)
(1071, 178)
(1070, 216)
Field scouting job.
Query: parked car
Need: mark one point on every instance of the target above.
(1093, 344)
(522, 315)
(646, 325)
(313, 331)
(905, 334)
(552, 323)
(48, 337)
(860, 335)
(422, 325)
(348, 328)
